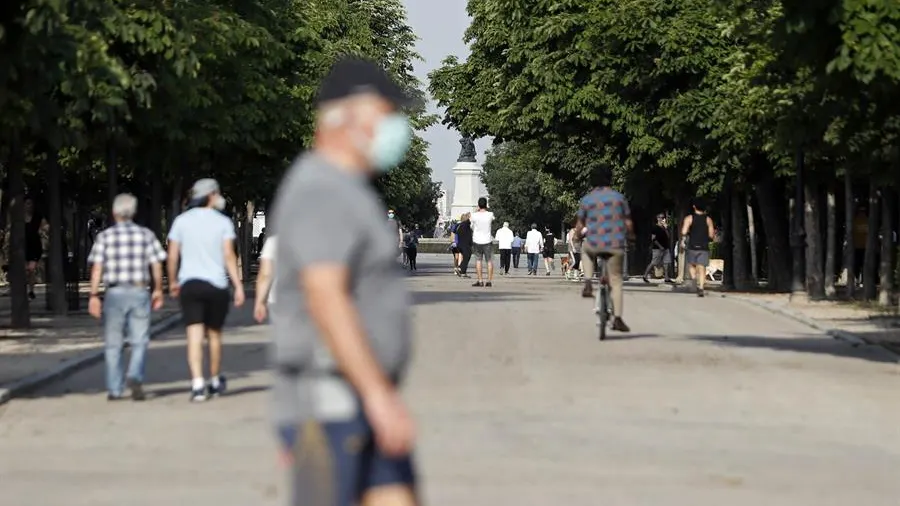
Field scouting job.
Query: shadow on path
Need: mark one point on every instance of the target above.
(816, 344)
(478, 295)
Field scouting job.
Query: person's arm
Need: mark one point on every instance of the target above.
(96, 257)
(711, 228)
(156, 257)
(231, 263)
(686, 227)
(174, 256)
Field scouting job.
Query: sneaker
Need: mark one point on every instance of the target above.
(619, 325)
(548, 273)
(646, 280)
(700, 293)
(31, 295)
(488, 284)
(588, 291)
(137, 390)
(114, 397)
(198, 395)
(477, 284)
(216, 391)
(669, 281)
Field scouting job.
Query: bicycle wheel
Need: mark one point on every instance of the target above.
(602, 310)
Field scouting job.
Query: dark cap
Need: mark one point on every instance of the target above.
(353, 76)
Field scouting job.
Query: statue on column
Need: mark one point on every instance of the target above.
(467, 150)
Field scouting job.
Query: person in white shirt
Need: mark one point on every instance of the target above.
(482, 242)
(504, 244)
(534, 243)
(265, 289)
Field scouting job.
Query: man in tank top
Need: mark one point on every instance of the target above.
(696, 232)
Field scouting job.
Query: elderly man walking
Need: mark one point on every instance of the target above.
(342, 323)
(127, 258)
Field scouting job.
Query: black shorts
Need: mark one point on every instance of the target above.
(204, 303)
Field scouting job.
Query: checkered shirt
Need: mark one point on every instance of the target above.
(604, 212)
(126, 251)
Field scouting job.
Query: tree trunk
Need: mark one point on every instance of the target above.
(112, 176)
(849, 251)
(798, 234)
(830, 242)
(770, 195)
(156, 202)
(18, 291)
(55, 260)
(739, 240)
(751, 231)
(815, 279)
(724, 248)
(870, 266)
(886, 286)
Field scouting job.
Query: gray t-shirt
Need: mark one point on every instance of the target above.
(325, 216)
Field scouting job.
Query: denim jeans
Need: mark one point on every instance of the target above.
(126, 309)
(533, 261)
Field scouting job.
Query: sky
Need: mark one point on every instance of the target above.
(440, 26)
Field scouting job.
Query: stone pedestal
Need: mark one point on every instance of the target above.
(467, 188)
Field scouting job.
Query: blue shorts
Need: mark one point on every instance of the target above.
(335, 463)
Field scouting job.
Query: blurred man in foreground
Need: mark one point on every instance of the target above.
(341, 325)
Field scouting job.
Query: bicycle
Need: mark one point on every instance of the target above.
(603, 307)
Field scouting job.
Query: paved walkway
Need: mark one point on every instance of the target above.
(707, 402)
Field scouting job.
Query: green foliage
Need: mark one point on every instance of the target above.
(675, 96)
(522, 191)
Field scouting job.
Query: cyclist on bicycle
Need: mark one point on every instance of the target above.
(604, 220)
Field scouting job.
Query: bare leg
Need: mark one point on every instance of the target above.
(490, 269)
(30, 275)
(195, 350)
(701, 276)
(215, 352)
(391, 495)
(478, 269)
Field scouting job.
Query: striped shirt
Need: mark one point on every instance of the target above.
(126, 251)
(603, 212)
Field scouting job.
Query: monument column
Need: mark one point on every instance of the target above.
(467, 186)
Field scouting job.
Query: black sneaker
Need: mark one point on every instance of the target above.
(113, 397)
(31, 295)
(216, 391)
(700, 293)
(198, 395)
(619, 325)
(646, 280)
(477, 284)
(137, 390)
(488, 284)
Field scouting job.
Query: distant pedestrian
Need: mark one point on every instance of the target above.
(260, 241)
(661, 250)
(411, 243)
(464, 243)
(201, 262)
(482, 240)
(549, 252)
(265, 293)
(128, 259)
(342, 317)
(574, 243)
(505, 238)
(696, 232)
(397, 231)
(34, 244)
(454, 246)
(517, 244)
(534, 244)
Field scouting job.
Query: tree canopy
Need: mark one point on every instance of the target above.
(147, 96)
